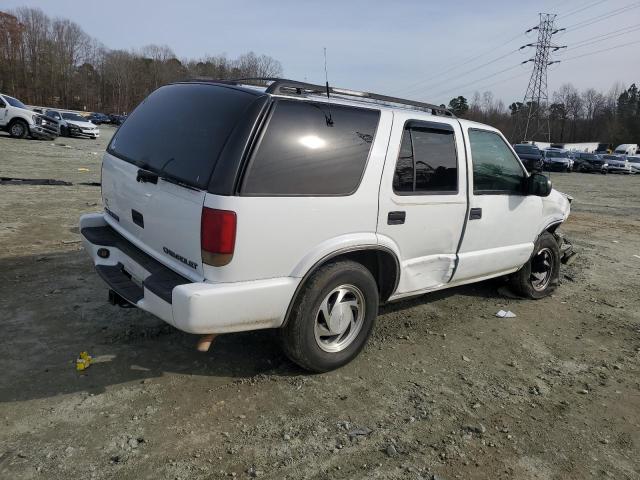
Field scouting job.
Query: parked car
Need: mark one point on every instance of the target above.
(617, 164)
(531, 156)
(74, 125)
(557, 160)
(117, 119)
(634, 163)
(21, 122)
(287, 209)
(98, 118)
(590, 162)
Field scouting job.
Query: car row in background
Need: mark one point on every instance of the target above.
(102, 118)
(560, 160)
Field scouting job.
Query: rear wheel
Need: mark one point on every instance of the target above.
(19, 129)
(332, 317)
(538, 278)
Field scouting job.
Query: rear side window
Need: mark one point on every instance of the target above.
(427, 162)
(311, 149)
(495, 168)
(180, 130)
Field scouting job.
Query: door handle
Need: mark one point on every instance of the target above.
(475, 214)
(396, 218)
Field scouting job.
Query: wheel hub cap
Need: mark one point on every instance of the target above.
(542, 269)
(339, 318)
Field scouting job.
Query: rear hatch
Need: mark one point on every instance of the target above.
(159, 164)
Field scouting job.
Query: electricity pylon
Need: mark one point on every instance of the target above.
(533, 119)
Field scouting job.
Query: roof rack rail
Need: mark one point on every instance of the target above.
(281, 86)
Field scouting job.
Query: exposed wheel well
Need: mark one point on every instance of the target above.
(16, 120)
(552, 228)
(382, 264)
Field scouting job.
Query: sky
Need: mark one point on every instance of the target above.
(424, 50)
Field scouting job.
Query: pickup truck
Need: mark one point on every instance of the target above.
(20, 122)
(299, 207)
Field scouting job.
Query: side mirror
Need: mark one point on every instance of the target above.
(538, 184)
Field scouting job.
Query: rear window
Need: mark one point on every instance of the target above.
(311, 148)
(179, 130)
(526, 149)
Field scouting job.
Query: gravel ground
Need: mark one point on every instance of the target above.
(444, 390)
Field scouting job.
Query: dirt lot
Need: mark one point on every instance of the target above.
(444, 390)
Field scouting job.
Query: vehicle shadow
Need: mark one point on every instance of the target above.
(55, 307)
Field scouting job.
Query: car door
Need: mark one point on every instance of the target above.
(422, 203)
(4, 112)
(503, 222)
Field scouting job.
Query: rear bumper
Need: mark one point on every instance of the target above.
(194, 307)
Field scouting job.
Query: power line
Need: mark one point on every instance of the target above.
(605, 37)
(444, 92)
(484, 87)
(613, 13)
(476, 56)
(602, 50)
(440, 82)
(581, 9)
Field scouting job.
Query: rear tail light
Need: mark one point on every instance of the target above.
(217, 236)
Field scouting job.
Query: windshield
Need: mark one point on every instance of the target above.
(73, 116)
(634, 159)
(180, 130)
(527, 149)
(556, 154)
(14, 102)
(611, 157)
(589, 156)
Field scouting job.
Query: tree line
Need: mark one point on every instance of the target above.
(54, 63)
(574, 116)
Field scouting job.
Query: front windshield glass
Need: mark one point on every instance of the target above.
(73, 116)
(14, 102)
(556, 154)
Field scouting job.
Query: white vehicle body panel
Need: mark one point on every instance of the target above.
(428, 239)
(501, 241)
(171, 215)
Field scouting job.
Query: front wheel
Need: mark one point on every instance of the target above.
(19, 129)
(332, 317)
(538, 278)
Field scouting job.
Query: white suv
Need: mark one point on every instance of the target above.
(230, 207)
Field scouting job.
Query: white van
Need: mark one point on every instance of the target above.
(626, 149)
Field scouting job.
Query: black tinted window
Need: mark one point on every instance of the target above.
(495, 167)
(427, 161)
(180, 130)
(312, 149)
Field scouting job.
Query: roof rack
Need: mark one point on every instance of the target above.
(281, 86)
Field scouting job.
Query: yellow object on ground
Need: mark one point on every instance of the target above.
(83, 361)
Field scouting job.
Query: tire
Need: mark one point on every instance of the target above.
(64, 132)
(18, 129)
(546, 256)
(320, 344)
